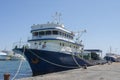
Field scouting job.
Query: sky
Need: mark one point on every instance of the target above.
(101, 19)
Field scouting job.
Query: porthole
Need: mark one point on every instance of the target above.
(63, 44)
(35, 43)
(60, 44)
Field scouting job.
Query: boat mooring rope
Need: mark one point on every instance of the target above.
(19, 67)
(75, 60)
(55, 63)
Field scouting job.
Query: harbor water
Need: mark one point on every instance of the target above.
(11, 67)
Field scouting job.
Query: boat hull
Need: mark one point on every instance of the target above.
(109, 58)
(42, 62)
(4, 57)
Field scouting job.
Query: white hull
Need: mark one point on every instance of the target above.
(4, 57)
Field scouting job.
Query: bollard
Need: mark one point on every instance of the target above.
(85, 66)
(109, 62)
(6, 76)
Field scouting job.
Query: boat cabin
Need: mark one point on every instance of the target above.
(53, 37)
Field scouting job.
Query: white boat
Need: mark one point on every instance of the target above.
(17, 57)
(4, 56)
(10, 55)
(111, 56)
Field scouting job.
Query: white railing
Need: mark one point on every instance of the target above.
(21, 44)
(51, 36)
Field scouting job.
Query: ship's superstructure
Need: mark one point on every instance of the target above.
(53, 37)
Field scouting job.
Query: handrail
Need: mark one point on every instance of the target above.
(20, 45)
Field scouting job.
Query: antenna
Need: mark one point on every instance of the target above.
(80, 33)
(57, 17)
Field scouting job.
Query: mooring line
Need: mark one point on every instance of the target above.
(19, 67)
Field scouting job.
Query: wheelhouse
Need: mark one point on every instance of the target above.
(51, 33)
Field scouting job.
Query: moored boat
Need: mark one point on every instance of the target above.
(112, 56)
(53, 48)
(4, 56)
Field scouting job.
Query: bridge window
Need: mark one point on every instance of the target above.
(67, 35)
(64, 34)
(60, 33)
(35, 34)
(41, 33)
(55, 32)
(48, 32)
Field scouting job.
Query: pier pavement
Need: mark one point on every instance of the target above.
(98, 72)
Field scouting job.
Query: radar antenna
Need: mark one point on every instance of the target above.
(57, 17)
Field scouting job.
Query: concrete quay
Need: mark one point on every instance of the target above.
(98, 72)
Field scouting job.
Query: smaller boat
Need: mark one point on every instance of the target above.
(17, 57)
(94, 56)
(113, 57)
(4, 56)
(10, 55)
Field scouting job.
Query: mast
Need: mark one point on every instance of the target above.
(79, 34)
(57, 17)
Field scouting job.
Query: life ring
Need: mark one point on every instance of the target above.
(35, 60)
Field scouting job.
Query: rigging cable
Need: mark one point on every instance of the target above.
(75, 60)
(19, 67)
